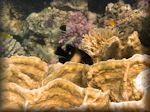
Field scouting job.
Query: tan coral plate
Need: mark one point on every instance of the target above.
(29, 84)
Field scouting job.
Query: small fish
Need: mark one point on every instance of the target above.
(4, 35)
(110, 22)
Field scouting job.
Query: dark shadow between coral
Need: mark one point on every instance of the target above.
(67, 53)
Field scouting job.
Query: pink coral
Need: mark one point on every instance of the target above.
(76, 27)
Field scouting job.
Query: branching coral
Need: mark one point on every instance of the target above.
(97, 42)
(103, 44)
(76, 27)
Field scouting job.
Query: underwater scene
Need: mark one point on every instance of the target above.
(75, 55)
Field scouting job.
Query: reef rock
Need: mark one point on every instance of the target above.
(125, 18)
(47, 21)
(72, 4)
(41, 47)
(133, 46)
(46, 24)
(144, 33)
(11, 19)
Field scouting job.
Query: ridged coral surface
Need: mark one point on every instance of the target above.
(30, 84)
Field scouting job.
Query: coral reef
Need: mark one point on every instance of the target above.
(29, 84)
(133, 46)
(74, 55)
(14, 13)
(47, 21)
(125, 17)
(103, 44)
(76, 26)
(46, 24)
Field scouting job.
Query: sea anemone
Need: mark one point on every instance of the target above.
(76, 27)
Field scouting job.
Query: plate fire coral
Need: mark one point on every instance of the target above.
(31, 92)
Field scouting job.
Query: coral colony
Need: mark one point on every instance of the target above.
(75, 55)
(76, 26)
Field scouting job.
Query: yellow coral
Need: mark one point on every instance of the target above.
(97, 41)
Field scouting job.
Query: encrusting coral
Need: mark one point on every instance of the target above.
(27, 85)
(47, 21)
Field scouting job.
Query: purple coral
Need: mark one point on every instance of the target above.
(49, 22)
(76, 27)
